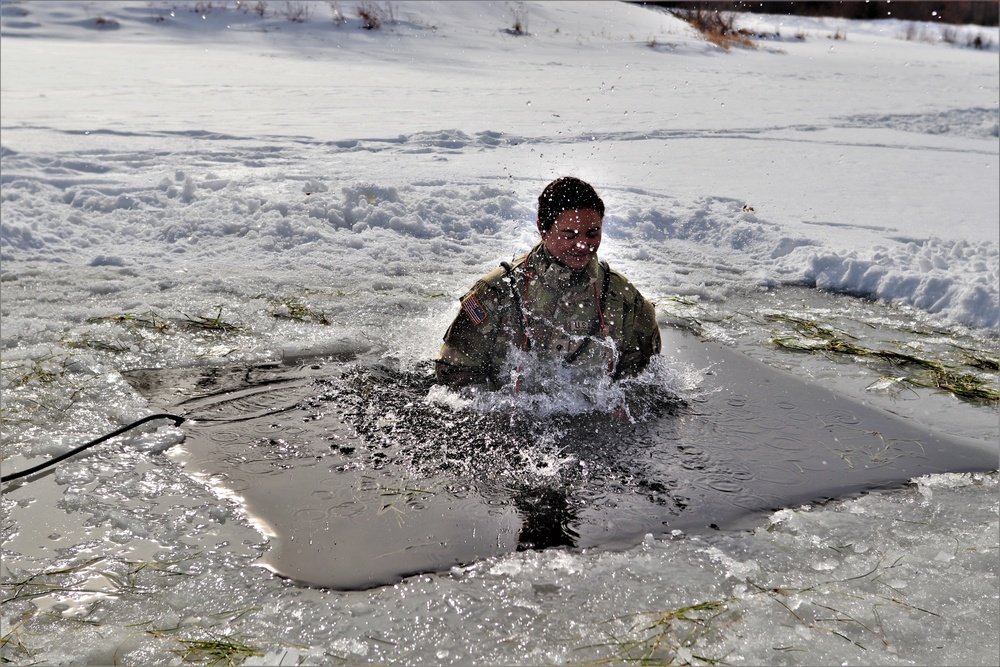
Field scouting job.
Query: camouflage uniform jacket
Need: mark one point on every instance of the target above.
(537, 304)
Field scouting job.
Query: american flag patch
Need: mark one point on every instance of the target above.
(473, 309)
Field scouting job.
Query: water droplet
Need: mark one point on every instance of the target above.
(528, 103)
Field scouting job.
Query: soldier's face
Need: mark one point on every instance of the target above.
(574, 237)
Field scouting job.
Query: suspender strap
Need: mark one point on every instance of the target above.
(605, 284)
(597, 326)
(516, 297)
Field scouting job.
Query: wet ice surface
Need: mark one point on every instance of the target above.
(753, 320)
(846, 581)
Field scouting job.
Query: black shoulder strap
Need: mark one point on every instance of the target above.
(516, 298)
(605, 284)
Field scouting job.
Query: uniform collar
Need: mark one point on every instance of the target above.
(552, 270)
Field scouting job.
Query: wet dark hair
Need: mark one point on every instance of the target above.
(565, 194)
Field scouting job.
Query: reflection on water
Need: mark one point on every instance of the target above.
(547, 518)
(363, 475)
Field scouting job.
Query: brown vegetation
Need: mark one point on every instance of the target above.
(976, 12)
(373, 15)
(717, 28)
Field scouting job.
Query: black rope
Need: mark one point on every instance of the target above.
(51, 462)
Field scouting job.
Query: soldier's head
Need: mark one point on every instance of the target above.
(570, 214)
(564, 194)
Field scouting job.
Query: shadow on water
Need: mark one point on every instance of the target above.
(361, 479)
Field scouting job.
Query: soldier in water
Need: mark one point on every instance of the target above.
(556, 304)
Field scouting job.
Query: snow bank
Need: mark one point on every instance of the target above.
(954, 279)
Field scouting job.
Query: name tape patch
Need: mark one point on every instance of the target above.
(474, 309)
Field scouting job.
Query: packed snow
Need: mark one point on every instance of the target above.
(209, 183)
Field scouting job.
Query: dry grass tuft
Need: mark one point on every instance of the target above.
(373, 15)
(717, 28)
